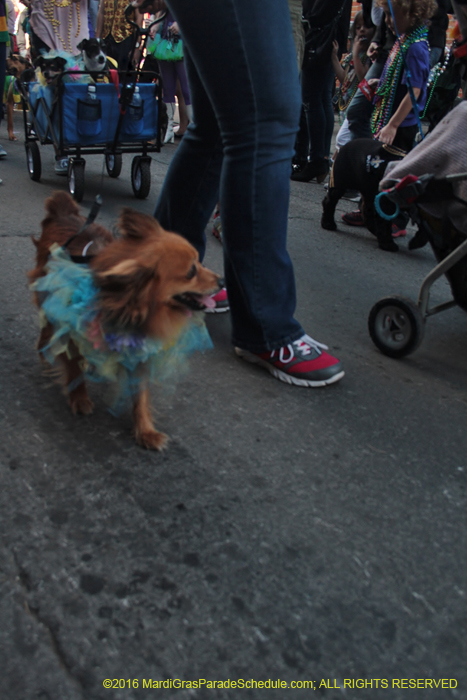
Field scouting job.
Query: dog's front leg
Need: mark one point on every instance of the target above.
(329, 207)
(145, 433)
(9, 119)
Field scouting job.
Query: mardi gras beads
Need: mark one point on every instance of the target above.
(55, 23)
(390, 78)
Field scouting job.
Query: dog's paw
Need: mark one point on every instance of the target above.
(328, 224)
(388, 245)
(418, 241)
(81, 405)
(152, 440)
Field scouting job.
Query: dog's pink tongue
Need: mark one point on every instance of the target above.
(208, 302)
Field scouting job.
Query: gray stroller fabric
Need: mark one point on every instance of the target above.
(443, 152)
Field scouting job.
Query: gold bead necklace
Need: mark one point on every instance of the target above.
(55, 23)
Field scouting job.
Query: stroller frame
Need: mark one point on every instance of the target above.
(396, 324)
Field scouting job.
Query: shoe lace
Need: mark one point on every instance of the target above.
(305, 345)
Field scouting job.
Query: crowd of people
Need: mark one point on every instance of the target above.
(238, 86)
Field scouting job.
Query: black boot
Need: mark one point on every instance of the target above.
(313, 169)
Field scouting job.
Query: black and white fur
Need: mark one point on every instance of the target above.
(360, 165)
(94, 57)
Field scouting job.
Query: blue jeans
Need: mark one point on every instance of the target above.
(242, 71)
(360, 109)
(317, 85)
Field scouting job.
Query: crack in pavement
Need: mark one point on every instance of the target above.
(25, 586)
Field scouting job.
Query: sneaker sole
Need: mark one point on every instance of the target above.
(282, 376)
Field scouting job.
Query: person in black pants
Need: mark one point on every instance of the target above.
(332, 17)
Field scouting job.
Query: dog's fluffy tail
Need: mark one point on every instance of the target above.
(61, 204)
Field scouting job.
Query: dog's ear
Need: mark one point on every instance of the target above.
(133, 224)
(125, 292)
(82, 45)
(61, 62)
(103, 45)
(125, 268)
(39, 62)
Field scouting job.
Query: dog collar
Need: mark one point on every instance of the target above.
(83, 259)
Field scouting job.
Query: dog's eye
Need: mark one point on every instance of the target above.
(192, 272)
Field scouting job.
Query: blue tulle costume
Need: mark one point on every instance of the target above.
(69, 302)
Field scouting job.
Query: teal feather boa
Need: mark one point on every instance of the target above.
(69, 302)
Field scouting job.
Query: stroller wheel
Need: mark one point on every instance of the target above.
(141, 176)
(34, 160)
(396, 326)
(76, 179)
(113, 163)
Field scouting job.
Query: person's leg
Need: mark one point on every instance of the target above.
(317, 102)
(169, 80)
(183, 80)
(2, 74)
(191, 187)
(360, 109)
(257, 110)
(3, 53)
(319, 114)
(185, 109)
(328, 86)
(169, 83)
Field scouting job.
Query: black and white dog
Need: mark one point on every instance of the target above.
(95, 58)
(360, 165)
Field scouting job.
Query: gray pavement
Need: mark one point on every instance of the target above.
(288, 533)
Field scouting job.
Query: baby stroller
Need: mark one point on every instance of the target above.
(115, 118)
(437, 203)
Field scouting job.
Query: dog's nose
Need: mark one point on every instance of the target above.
(101, 59)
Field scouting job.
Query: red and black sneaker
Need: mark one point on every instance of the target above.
(353, 218)
(303, 363)
(397, 231)
(221, 303)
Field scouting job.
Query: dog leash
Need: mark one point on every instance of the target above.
(84, 259)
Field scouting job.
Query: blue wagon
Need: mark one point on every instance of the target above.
(123, 116)
(113, 123)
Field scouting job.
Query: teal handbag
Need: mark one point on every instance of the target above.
(169, 49)
(151, 46)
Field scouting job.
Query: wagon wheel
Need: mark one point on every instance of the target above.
(33, 157)
(114, 163)
(76, 179)
(141, 176)
(396, 326)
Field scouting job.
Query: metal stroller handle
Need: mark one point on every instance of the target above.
(130, 8)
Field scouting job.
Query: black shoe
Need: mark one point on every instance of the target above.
(318, 169)
(298, 165)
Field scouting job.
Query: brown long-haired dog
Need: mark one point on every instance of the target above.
(149, 281)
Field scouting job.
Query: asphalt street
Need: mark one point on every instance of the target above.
(288, 535)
